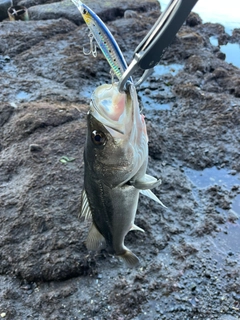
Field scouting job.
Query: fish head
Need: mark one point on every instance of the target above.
(116, 145)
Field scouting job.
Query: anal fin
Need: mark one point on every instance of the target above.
(152, 196)
(94, 239)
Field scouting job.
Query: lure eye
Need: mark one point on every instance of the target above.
(98, 138)
(85, 11)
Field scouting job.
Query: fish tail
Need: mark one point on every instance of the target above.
(130, 259)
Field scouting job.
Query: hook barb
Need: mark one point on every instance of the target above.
(93, 47)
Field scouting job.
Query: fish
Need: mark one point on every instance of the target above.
(104, 39)
(115, 164)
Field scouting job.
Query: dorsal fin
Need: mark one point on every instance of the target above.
(85, 208)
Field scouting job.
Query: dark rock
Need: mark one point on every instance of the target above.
(106, 11)
(26, 34)
(227, 317)
(130, 14)
(5, 113)
(31, 3)
(193, 19)
(235, 35)
(37, 225)
(35, 148)
(237, 92)
(221, 55)
(212, 29)
(223, 39)
(63, 9)
(220, 73)
(196, 63)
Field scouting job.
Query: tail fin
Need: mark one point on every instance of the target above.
(130, 259)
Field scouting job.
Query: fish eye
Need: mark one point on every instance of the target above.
(85, 11)
(99, 138)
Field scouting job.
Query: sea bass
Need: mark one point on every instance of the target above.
(115, 163)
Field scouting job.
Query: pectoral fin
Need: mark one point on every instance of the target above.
(94, 239)
(146, 182)
(85, 208)
(152, 196)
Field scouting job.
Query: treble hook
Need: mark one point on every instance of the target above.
(93, 47)
(112, 80)
(112, 76)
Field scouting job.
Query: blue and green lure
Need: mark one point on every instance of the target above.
(104, 38)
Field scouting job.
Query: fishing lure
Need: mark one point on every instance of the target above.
(104, 38)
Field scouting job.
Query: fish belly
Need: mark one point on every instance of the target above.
(113, 211)
(124, 201)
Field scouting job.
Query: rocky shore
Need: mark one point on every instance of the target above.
(190, 267)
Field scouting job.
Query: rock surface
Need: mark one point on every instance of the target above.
(189, 252)
(106, 10)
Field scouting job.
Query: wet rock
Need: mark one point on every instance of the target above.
(212, 29)
(193, 19)
(31, 3)
(63, 9)
(227, 317)
(223, 39)
(232, 216)
(220, 73)
(190, 37)
(237, 92)
(196, 63)
(35, 148)
(22, 35)
(5, 113)
(236, 296)
(235, 36)
(39, 226)
(188, 91)
(221, 55)
(130, 14)
(107, 12)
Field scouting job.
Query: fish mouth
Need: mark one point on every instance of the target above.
(104, 120)
(112, 108)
